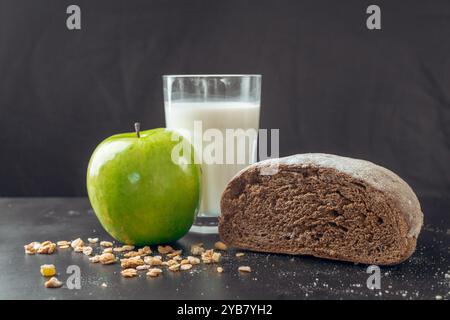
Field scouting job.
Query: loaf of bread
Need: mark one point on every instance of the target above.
(322, 205)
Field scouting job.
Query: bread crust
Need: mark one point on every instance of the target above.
(396, 192)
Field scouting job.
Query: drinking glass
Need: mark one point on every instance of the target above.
(219, 114)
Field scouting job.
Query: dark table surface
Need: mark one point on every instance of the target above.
(22, 220)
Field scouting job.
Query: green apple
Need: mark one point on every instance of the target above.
(138, 193)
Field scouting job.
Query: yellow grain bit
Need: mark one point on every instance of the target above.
(48, 270)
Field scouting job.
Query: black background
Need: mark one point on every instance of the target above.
(330, 84)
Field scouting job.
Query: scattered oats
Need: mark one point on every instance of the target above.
(174, 253)
(153, 261)
(141, 252)
(156, 261)
(129, 273)
(48, 270)
(63, 243)
(87, 250)
(165, 249)
(107, 258)
(143, 267)
(177, 258)
(53, 283)
(131, 262)
(77, 243)
(219, 245)
(106, 243)
(154, 272)
(104, 285)
(127, 247)
(131, 254)
(145, 250)
(46, 247)
(108, 250)
(216, 257)
(197, 249)
(117, 249)
(240, 254)
(193, 260)
(184, 261)
(148, 260)
(219, 269)
(92, 240)
(64, 247)
(170, 262)
(185, 267)
(438, 297)
(95, 259)
(78, 249)
(245, 269)
(32, 247)
(174, 267)
(209, 256)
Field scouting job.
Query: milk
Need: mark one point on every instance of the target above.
(221, 116)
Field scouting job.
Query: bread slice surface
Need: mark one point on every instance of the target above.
(322, 205)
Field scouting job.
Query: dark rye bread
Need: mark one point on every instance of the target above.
(322, 205)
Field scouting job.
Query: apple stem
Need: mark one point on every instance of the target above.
(137, 127)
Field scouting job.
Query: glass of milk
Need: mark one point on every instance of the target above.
(219, 114)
